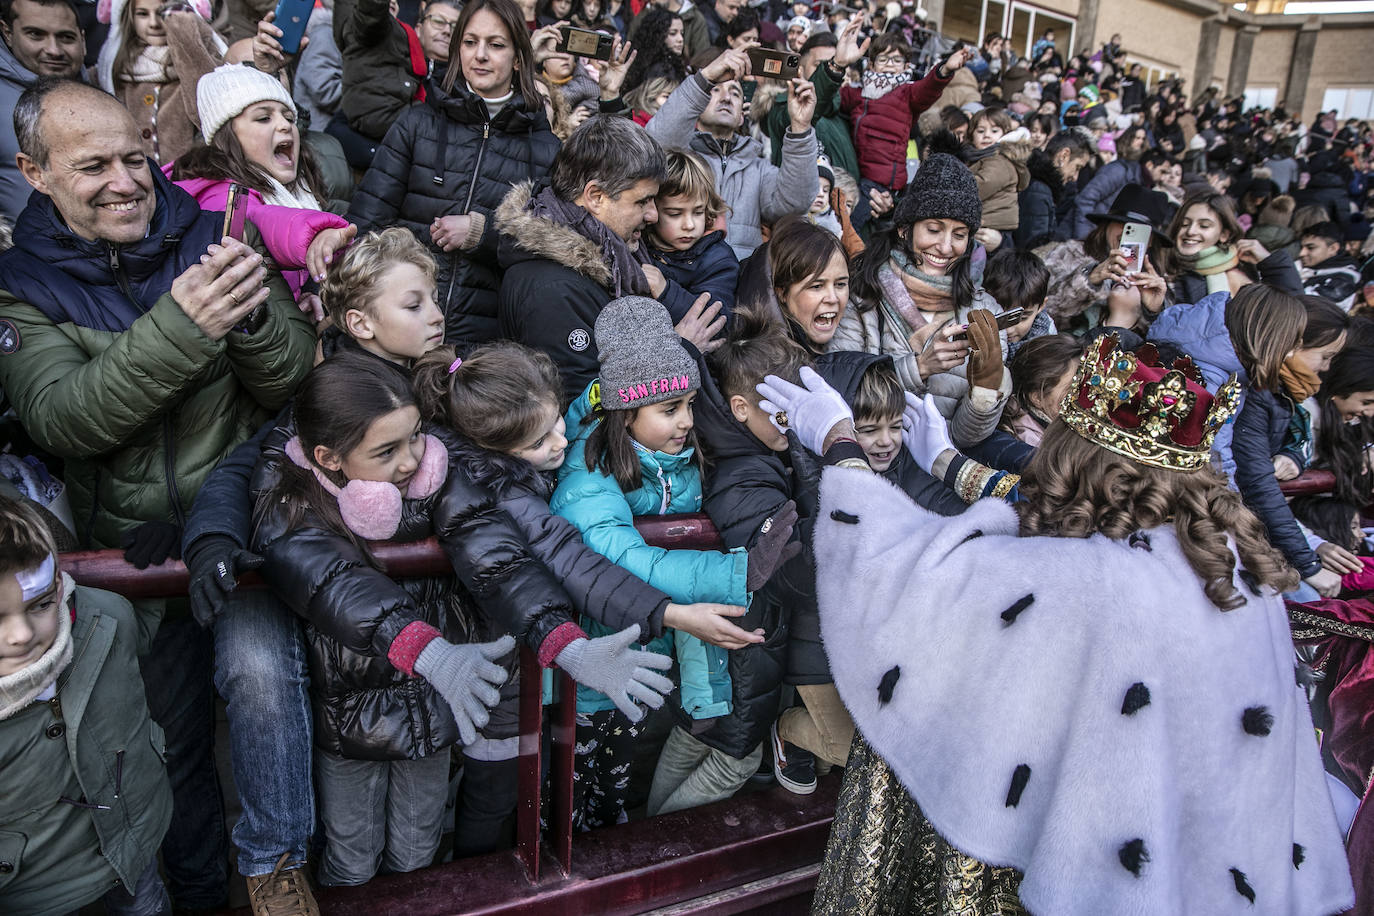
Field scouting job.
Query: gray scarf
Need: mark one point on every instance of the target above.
(627, 277)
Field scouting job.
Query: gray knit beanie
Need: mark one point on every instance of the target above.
(642, 359)
(942, 189)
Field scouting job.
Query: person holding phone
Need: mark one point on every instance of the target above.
(447, 164)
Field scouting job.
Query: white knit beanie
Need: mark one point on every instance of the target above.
(223, 93)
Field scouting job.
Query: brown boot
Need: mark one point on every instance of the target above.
(282, 892)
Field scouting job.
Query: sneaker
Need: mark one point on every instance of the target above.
(282, 892)
(794, 767)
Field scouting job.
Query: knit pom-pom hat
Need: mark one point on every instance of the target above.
(642, 359)
(225, 92)
(943, 188)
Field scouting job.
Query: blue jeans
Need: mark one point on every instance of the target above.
(176, 678)
(260, 670)
(148, 898)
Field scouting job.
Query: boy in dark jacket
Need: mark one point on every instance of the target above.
(687, 259)
(1327, 271)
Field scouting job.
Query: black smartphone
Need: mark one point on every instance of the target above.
(235, 213)
(778, 65)
(292, 18)
(1005, 320)
(585, 43)
(749, 87)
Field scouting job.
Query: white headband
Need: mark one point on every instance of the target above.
(36, 581)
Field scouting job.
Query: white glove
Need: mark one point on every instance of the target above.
(810, 412)
(924, 431)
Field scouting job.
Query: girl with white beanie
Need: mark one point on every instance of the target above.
(151, 61)
(248, 123)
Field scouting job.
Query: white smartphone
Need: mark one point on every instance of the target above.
(1135, 241)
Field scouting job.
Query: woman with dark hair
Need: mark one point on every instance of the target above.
(1041, 128)
(659, 42)
(801, 275)
(1212, 255)
(919, 301)
(446, 164)
(248, 122)
(1344, 427)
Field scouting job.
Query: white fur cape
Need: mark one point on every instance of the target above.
(975, 661)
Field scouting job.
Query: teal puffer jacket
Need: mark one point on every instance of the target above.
(595, 504)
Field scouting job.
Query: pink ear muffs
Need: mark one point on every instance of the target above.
(372, 508)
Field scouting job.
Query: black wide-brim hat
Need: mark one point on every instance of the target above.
(1136, 204)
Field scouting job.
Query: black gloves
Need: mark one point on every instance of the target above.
(215, 563)
(151, 543)
(773, 548)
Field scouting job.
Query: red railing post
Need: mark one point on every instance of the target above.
(527, 813)
(561, 771)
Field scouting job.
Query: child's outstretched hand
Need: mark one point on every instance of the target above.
(710, 623)
(467, 677)
(773, 548)
(607, 664)
(324, 246)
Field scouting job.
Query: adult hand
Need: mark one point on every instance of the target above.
(731, 64)
(711, 623)
(545, 41)
(608, 665)
(925, 432)
(1285, 468)
(849, 50)
(268, 55)
(150, 544)
(1251, 251)
(1327, 583)
(812, 409)
(657, 282)
(1339, 560)
(612, 75)
(223, 288)
(215, 562)
(990, 239)
(935, 352)
(1152, 288)
(701, 326)
(773, 548)
(1113, 268)
(880, 202)
(801, 104)
(985, 350)
(450, 232)
(324, 246)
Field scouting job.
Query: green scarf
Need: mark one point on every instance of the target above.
(1212, 264)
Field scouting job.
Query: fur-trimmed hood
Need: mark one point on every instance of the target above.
(1042, 169)
(527, 237)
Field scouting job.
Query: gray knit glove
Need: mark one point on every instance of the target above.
(466, 677)
(607, 664)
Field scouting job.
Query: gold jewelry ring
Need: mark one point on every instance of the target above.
(235, 298)
(780, 418)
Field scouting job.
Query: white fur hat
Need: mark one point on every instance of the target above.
(224, 92)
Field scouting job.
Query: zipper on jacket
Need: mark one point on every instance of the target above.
(118, 270)
(467, 208)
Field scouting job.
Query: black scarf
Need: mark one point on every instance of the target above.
(627, 278)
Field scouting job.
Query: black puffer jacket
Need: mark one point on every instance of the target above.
(482, 481)
(364, 708)
(443, 157)
(1260, 433)
(379, 77)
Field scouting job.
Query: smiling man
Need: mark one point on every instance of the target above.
(570, 248)
(141, 366)
(41, 38)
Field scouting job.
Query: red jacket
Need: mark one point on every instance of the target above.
(882, 127)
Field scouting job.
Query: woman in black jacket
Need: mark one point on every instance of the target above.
(446, 164)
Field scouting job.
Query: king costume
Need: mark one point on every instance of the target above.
(1066, 725)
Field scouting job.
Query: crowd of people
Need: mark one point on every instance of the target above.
(472, 285)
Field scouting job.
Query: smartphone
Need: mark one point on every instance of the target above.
(1135, 241)
(292, 18)
(778, 65)
(749, 87)
(1005, 320)
(235, 213)
(585, 43)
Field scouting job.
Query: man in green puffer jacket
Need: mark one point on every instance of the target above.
(142, 367)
